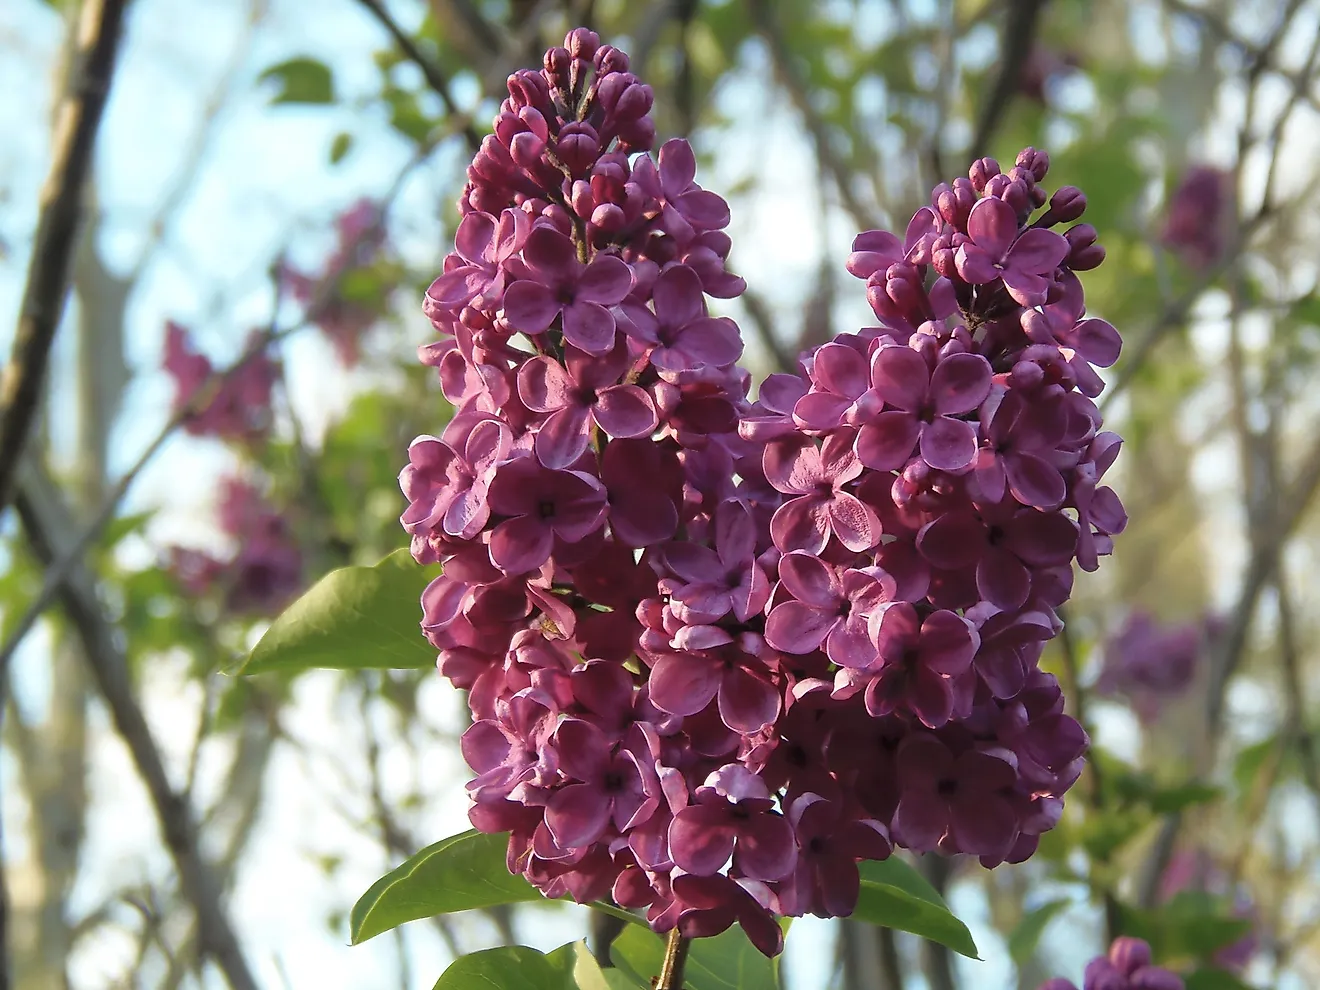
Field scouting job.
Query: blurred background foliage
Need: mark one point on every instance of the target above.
(292, 168)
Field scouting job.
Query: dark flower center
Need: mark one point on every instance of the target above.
(947, 787)
(545, 508)
(613, 782)
(567, 294)
(817, 844)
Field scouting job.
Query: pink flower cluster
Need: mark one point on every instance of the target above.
(264, 572)
(1127, 966)
(241, 407)
(343, 310)
(720, 651)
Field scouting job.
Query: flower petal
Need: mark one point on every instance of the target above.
(625, 411)
(887, 443)
(530, 306)
(948, 444)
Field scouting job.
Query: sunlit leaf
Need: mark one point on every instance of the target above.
(353, 618)
(725, 962)
(301, 80)
(895, 895)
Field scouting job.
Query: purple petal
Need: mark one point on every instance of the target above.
(801, 524)
(895, 630)
(975, 266)
(887, 443)
(796, 628)
(1025, 288)
(577, 815)
(1035, 481)
(992, 224)
(922, 818)
(960, 383)
(607, 281)
(562, 438)
(821, 410)
(947, 643)
(1097, 342)
(930, 697)
(544, 385)
(704, 209)
(948, 444)
(747, 704)
(706, 341)
(1037, 251)
(530, 306)
(475, 237)
(684, 685)
(849, 644)
(766, 847)
(701, 839)
(1002, 580)
(625, 411)
(953, 540)
(484, 745)
(587, 325)
(840, 369)
(983, 825)
(855, 525)
(678, 166)
(693, 562)
(520, 545)
(678, 297)
(809, 580)
(901, 377)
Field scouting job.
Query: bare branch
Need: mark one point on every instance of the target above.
(790, 77)
(1019, 34)
(61, 211)
(436, 77)
(45, 520)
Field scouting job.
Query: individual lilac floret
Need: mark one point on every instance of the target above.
(733, 818)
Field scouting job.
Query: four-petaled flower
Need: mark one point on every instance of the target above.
(995, 250)
(821, 508)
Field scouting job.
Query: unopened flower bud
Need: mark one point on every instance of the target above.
(981, 172)
(1084, 253)
(1034, 161)
(582, 43)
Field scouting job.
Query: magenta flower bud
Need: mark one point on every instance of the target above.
(581, 198)
(528, 89)
(1084, 253)
(526, 149)
(609, 59)
(578, 147)
(556, 64)
(1035, 162)
(634, 102)
(981, 172)
(608, 218)
(1017, 194)
(942, 260)
(637, 135)
(582, 43)
(1129, 954)
(1066, 205)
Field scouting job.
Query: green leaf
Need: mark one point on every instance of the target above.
(581, 971)
(301, 80)
(1213, 978)
(460, 873)
(1166, 800)
(724, 962)
(1190, 925)
(1026, 936)
(895, 895)
(340, 147)
(509, 967)
(353, 618)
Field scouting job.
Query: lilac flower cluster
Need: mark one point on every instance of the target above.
(720, 651)
(263, 573)
(1151, 664)
(344, 309)
(240, 410)
(1127, 966)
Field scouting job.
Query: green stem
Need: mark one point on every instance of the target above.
(671, 970)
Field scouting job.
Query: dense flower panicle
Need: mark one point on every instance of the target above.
(1198, 220)
(241, 406)
(719, 651)
(265, 570)
(343, 310)
(1150, 664)
(1127, 966)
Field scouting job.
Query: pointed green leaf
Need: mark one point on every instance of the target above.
(353, 618)
(456, 874)
(509, 967)
(895, 895)
(725, 962)
(340, 146)
(1026, 936)
(301, 80)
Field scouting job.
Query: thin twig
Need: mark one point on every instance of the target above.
(764, 17)
(1019, 34)
(205, 394)
(45, 518)
(436, 77)
(44, 295)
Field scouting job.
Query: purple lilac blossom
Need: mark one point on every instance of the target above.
(719, 649)
(1127, 966)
